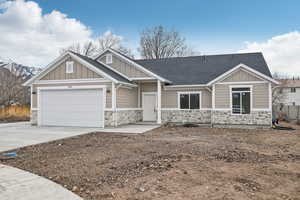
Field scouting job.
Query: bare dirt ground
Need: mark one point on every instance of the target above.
(172, 163)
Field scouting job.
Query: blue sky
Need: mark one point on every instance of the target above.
(209, 26)
(43, 27)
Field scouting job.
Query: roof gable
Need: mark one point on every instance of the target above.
(135, 64)
(87, 62)
(80, 72)
(123, 67)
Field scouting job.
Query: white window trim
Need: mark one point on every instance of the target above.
(70, 67)
(189, 92)
(108, 58)
(251, 97)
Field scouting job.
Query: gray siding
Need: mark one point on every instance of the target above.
(80, 72)
(124, 67)
(170, 97)
(127, 98)
(260, 95)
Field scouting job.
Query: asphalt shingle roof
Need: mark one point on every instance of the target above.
(202, 69)
(103, 68)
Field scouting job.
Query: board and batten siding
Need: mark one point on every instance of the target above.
(241, 75)
(127, 98)
(79, 72)
(260, 95)
(124, 67)
(35, 86)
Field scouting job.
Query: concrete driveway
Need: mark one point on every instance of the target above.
(16, 135)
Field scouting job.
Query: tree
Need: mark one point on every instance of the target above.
(157, 42)
(12, 76)
(100, 44)
(87, 49)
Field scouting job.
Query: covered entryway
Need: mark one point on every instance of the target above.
(149, 106)
(81, 107)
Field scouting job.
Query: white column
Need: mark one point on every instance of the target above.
(114, 102)
(139, 95)
(158, 102)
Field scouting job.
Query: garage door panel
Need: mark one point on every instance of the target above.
(72, 107)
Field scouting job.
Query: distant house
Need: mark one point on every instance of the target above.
(289, 91)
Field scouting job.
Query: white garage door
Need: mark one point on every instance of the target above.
(76, 107)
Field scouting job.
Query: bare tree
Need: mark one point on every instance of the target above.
(89, 48)
(157, 42)
(110, 40)
(103, 42)
(12, 76)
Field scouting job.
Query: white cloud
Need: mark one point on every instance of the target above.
(281, 52)
(31, 38)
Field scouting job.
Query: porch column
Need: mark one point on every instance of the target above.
(139, 95)
(114, 103)
(158, 102)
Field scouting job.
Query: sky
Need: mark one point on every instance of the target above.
(33, 32)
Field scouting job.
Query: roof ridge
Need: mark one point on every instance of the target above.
(199, 56)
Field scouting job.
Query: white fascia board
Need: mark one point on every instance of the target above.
(45, 70)
(241, 65)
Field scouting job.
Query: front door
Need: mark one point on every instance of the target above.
(149, 106)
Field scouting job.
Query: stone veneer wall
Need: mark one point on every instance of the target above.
(122, 117)
(109, 118)
(129, 116)
(255, 119)
(33, 117)
(184, 116)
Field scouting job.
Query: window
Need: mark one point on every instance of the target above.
(189, 100)
(241, 100)
(108, 59)
(69, 67)
(293, 90)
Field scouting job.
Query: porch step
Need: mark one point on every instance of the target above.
(146, 123)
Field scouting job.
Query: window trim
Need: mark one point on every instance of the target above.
(68, 63)
(189, 92)
(108, 58)
(251, 97)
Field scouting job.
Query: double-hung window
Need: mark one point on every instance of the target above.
(241, 100)
(189, 100)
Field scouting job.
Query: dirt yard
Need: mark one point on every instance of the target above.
(172, 163)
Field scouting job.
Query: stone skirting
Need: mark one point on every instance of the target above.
(33, 117)
(129, 116)
(255, 119)
(120, 117)
(186, 116)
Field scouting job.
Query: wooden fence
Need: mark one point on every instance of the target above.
(15, 111)
(287, 112)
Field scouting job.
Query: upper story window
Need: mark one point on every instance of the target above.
(69, 67)
(108, 59)
(189, 100)
(293, 90)
(241, 100)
